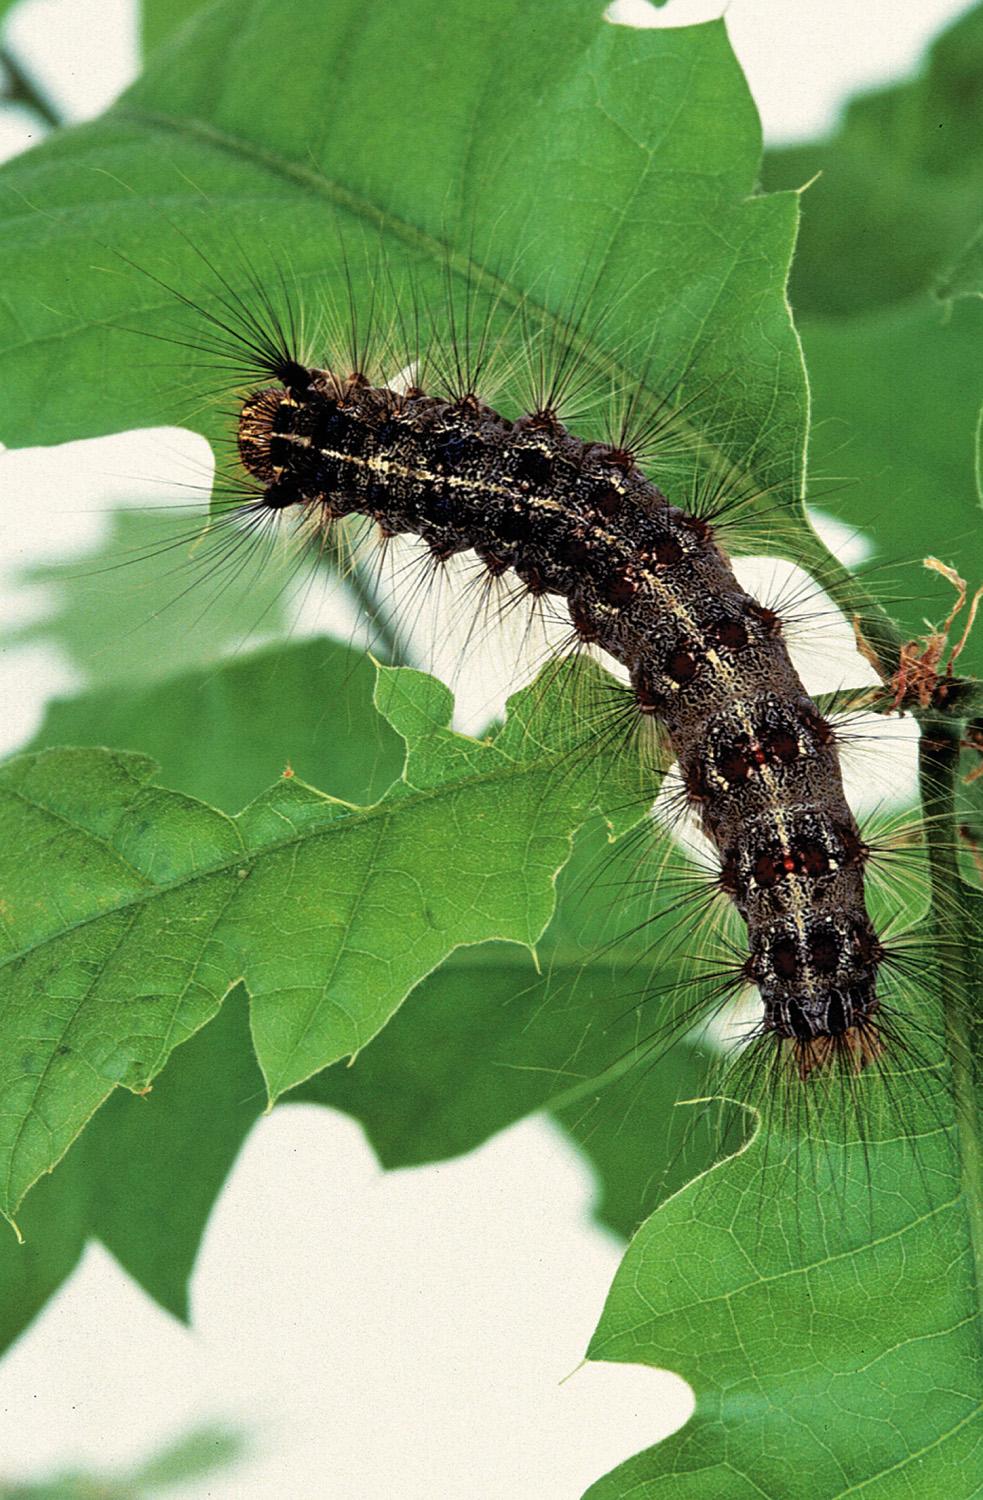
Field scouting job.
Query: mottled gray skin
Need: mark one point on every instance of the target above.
(648, 583)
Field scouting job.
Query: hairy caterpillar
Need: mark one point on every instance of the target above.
(644, 579)
(823, 1019)
(605, 533)
(647, 582)
(827, 1288)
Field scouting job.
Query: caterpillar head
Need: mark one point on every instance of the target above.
(818, 983)
(257, 422)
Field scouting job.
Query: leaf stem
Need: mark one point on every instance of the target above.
(386, 636)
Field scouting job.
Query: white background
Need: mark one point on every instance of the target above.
(401, 1334)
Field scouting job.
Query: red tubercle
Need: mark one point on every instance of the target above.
(820, 728)
(813, 860)
(768, 869)
(765, 616)
(495, 566)
(617, 458)
(696, 525)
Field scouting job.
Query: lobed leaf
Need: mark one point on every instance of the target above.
(835, 1350)
(132, 911)
(490, 185)
(197, 174)
(487, 1038)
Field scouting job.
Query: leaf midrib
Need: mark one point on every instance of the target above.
(583, 345)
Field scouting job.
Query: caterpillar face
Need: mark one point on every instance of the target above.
(648, 582)
(261, 416)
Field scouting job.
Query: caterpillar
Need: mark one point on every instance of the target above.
(648, 582)
(644, 579)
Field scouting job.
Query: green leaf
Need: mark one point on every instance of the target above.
(53, 1228)
(830, 1355)
(99, 986)
(500, 180)
(5, 5)
(18, 88)
(199, 172)
(201, 1451)
(142, 1177)
(651, 1139)
(162, 19)
(220, 735)
(202, 148)
(224, 733)
(896, 399)
(150, 604)
(486, 1039)
(965, 277)
(894, 377)
(154, 1164)
(823, 1299)
(900, 188)
(821, 1289)
(135, 910)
